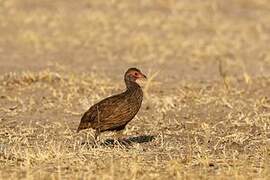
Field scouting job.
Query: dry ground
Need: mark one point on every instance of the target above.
(206, 112)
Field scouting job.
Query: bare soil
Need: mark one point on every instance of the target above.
(206, 110)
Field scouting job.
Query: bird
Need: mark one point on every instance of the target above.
(115, 112)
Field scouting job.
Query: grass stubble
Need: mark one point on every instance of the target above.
(204, 130)
(214, 128)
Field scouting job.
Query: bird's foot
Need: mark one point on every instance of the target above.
(123, 141)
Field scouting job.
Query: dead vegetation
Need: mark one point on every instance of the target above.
(207, 108)
(203, 131)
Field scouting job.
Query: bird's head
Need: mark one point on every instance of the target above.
(134, 74)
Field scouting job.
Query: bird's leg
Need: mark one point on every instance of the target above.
(97, 132)
(119, 135)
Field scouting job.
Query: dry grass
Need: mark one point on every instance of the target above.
(206, 112)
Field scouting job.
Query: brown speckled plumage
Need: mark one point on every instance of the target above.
(115, 112)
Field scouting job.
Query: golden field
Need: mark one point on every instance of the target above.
(206, 110)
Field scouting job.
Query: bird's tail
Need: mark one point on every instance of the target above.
(82, 126)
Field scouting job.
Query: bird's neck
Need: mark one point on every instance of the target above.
(134, 90)
(131, 85)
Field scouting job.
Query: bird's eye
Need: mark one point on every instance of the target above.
(136, 74)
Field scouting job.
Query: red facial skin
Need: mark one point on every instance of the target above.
(138, 75)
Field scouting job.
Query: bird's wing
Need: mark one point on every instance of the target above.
(117, 113)
(108, 113)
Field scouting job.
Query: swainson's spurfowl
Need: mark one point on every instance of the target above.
(115, 112)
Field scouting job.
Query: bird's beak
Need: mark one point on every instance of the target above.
(144, 77)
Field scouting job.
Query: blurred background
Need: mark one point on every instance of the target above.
(183, 40)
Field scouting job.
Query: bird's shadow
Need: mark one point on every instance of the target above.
(129, 141)
(124, 142)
